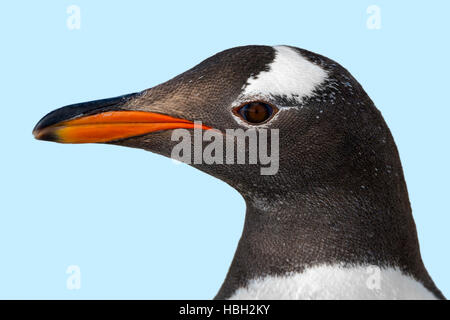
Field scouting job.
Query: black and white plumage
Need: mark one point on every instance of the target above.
(337, 212)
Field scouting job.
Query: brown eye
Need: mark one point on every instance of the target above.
(255, 112)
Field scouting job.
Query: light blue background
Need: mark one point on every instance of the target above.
(140, 226)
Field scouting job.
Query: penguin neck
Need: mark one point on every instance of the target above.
(325, 226)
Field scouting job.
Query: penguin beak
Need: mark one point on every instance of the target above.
(103, 121)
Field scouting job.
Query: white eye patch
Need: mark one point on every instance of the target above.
(290, 75)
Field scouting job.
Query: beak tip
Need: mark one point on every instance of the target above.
(45, 135)
(40, 136)
(38, 128)
(37, 131)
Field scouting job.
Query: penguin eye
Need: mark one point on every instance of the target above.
(255, 112)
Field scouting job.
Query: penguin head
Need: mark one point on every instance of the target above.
(318, 124)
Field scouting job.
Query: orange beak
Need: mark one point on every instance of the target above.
(110, 126)
(104, 120)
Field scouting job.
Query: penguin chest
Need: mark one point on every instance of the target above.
(336, 282)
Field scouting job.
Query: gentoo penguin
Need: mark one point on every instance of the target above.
(334, 222)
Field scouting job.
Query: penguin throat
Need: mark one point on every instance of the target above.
(325, 227)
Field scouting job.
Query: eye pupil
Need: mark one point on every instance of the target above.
(256, 112)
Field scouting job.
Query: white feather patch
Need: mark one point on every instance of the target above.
(336, 282)
(290, 74)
